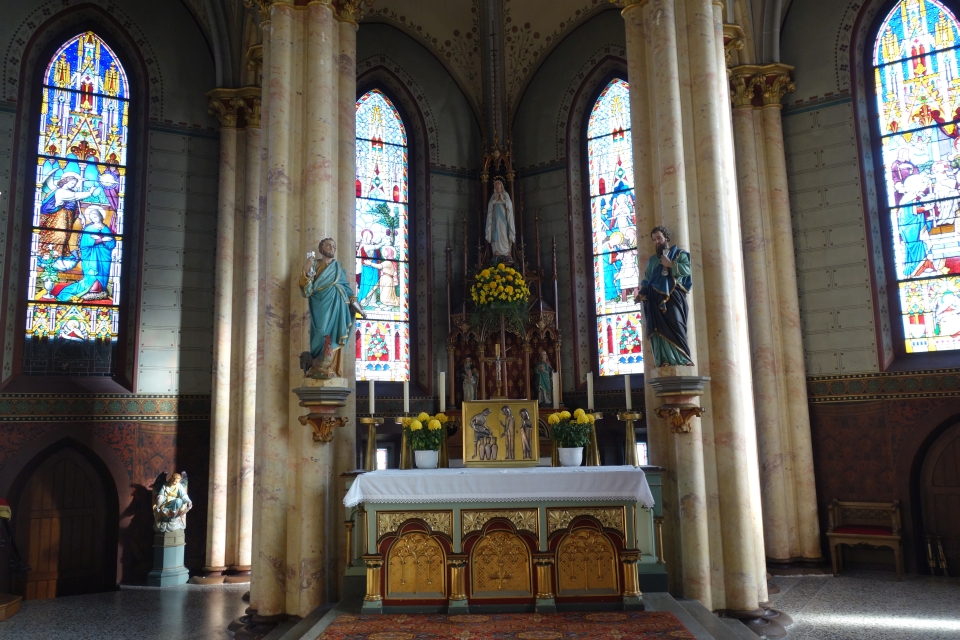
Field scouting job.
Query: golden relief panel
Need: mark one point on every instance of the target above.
(416, 568)
(523, 519)
(500, 567)
(586, 564)
(391, 521)
(608, 517)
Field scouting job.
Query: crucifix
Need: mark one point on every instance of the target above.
(501, 371)
(501, 575)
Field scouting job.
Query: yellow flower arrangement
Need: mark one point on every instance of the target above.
(570, 430)
(501, 283)
(425, 432)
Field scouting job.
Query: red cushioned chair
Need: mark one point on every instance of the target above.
(875, 524)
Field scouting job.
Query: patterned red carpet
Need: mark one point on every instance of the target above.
(626, 625)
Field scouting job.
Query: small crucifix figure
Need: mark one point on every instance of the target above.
(501, 370)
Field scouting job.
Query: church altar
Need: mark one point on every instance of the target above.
(460, 540)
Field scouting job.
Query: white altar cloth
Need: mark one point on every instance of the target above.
(579, 484)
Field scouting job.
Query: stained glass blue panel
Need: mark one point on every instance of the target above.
(383, 246)
(73, 286)
(616, 276)
(918, 101)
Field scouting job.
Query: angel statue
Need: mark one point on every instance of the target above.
(170, 502)
(500, 230)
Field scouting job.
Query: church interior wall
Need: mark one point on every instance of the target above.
(541, 125)
(163, 423)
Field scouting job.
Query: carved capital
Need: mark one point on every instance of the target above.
(760, 85)
(220, 103)
(733, 40)
(247, 104)
(262, 8)
(743, 81)
(628, 4)
(255, 63)
(352, 10)
(679, 416)
(777, 83)
(323, 425)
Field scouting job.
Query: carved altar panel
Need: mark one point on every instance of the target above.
(500, 567)
(523, 519)
(608, 517)
(416, 568)
(586, 565)
(391, 521)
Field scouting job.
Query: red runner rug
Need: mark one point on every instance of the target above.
(613, 625)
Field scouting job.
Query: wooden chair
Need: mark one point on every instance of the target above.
(875, 524)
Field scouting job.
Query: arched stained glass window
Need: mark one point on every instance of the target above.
(616, 277)
(383, 273)
(918, 103)
(73, 288)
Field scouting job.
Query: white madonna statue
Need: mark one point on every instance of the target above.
(500, 233)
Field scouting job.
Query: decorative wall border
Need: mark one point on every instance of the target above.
(931, 383)
(52, 407)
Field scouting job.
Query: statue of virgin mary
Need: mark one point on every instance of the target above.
(500, 230)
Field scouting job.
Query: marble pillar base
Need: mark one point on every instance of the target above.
(168, 569)
(255, 627)
(633, 603)
(545, 605)
(457, 607)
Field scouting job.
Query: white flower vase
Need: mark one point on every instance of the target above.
(426, 459)
(570, 456)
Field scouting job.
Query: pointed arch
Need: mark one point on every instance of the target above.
(383, 244)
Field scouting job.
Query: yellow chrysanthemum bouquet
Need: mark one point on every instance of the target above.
(425, 432)
(568, 430)
(500, 289)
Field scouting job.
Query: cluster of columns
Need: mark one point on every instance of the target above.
(754, 437)
(791, 527)
(230, 492)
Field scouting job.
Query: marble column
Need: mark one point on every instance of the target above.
(791, 527)
(221, 105)
(725, 312)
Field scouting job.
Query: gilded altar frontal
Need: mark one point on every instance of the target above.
(500, 433)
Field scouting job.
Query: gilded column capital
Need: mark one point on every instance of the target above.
(351, 10)
(760, 85)
(247, 104)
(733, 40)
(777, 82)
(220, 103)
(255, 63)
(262, 7)
(743, 83)
(626, 5)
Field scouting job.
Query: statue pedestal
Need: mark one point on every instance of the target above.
(168, 569)
(681, 393)
(323, 398)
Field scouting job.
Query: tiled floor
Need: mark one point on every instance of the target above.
(870, 606)
(189, 612)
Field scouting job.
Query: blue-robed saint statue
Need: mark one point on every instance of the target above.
(332, 311)
(96, 256)
(500, 231)
(663, 292)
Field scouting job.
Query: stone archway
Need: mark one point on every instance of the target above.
(940, 494)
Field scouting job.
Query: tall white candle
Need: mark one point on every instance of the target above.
(626, 386)
(556, 390)
(406, 396)
(370, 396)
(443, 391)
(590, 391)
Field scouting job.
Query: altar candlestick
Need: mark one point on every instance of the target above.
(590, 391)
(556, 389)
(626, 385)
(406, 397)
(370, 396)
(443, 391)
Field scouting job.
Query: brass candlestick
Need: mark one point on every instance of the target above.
(593, 449)
(630, 444)
(405, 457)
(370, 464)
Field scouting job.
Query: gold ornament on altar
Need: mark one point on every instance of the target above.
(500, 433)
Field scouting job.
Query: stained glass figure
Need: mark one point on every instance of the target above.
(383, 273)
(616, 275)
(918, 102)
(73, 288)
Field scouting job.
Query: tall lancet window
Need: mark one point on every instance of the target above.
(383, 273)
(73, 284)
(616, 277)
(918, 103)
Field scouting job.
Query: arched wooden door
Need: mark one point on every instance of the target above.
(61, 526)
(941, 494)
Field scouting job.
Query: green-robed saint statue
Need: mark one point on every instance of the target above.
(663, 292)
(333, 306)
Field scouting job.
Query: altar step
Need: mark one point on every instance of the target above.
(700, 621)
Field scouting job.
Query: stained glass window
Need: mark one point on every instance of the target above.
(383, 272)
(616, 276)
(73, 287)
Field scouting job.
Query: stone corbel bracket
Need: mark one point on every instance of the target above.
(323, 403)
(681, 408)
